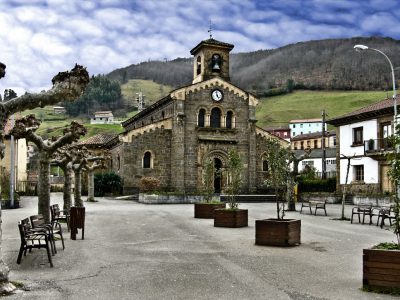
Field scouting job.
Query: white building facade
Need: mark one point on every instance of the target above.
(304, 126)
(363, 142)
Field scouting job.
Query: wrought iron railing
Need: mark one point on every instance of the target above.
(378, 145)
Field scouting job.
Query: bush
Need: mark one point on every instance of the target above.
(148, 184)
(317, 185)
(107, 183)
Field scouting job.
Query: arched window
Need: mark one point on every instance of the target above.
(118, 162)
(147, 160)
(264, 165)
(201, 117)
(215, 119)
(229, 118)
(198, 70)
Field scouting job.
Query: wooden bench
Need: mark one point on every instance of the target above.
(59, 215)
(33, 238)
(37, 221)
(364, 210)
(317, 204)
(385, 213)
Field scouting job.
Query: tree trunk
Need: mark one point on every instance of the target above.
(91, 185)
(78, 188)
(67, 188)
(44, 188)
(4, 270)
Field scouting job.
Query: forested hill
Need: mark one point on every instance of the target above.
(323, 64)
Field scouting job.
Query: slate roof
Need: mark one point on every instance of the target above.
(312, 135)
(371, 111)
(211, 42)
(317, 153)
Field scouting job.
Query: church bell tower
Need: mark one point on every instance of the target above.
(211, 59)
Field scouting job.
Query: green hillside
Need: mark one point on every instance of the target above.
(277, 111)
(152, 91)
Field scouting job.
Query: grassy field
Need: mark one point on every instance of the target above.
(152, 91)
(277, 111)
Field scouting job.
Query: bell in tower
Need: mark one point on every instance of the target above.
(216, 63)
(211, 59)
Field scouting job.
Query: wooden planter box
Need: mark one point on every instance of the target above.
(230, 218)
(381, 269)
(274, 232)
(206, 210)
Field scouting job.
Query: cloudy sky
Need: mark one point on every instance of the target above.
(39, 38)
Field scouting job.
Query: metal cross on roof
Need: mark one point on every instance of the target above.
(210, 30)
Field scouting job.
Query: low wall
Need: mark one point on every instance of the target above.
(374, 200)
(329, 197)
(169, 199)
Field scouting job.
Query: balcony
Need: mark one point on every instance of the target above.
(377, 147)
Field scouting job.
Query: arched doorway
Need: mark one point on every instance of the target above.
(217, 175)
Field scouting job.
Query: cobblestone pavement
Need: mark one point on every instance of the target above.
(137, 251)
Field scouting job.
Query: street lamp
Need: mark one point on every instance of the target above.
(362, 48)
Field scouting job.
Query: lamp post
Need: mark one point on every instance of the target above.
(362, 48)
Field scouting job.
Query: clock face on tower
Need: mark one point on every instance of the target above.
(217, 95)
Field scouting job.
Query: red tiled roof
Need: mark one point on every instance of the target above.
(98, 139)
(313, 135)
(7, 126)
(379, 108)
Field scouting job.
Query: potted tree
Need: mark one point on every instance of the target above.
(205, 209)
(232, 216)
(381, 263)
(278, 231)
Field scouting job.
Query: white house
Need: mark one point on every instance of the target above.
(304, 126)
(102, 117)
(362, 143)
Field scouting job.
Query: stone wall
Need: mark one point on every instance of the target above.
(158, 142)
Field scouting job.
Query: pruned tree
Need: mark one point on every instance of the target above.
(67, 86)
(279, 172)
(234, 169)
(63, 158)
(25, 128)
(294, 160)
(78, 163)
(93, 163)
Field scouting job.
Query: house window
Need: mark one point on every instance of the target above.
(359, 172)
(229, 117)
(358, 136)
(301, 145)
(301, 125)
(215, 119)
(308, 163)
(201, 117)
(294, 125)
(147, 160)
(315, 144)
(334, 141)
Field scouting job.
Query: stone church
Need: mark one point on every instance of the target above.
(171, 139)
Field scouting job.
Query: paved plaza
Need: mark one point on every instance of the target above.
(138, 251)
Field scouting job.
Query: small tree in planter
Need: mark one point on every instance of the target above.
(232, 216)
(381, 264)
(278, 232)
(205, 209)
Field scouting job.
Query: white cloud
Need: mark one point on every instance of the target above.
(42, 37)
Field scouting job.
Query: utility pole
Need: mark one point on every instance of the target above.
(323, 146)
